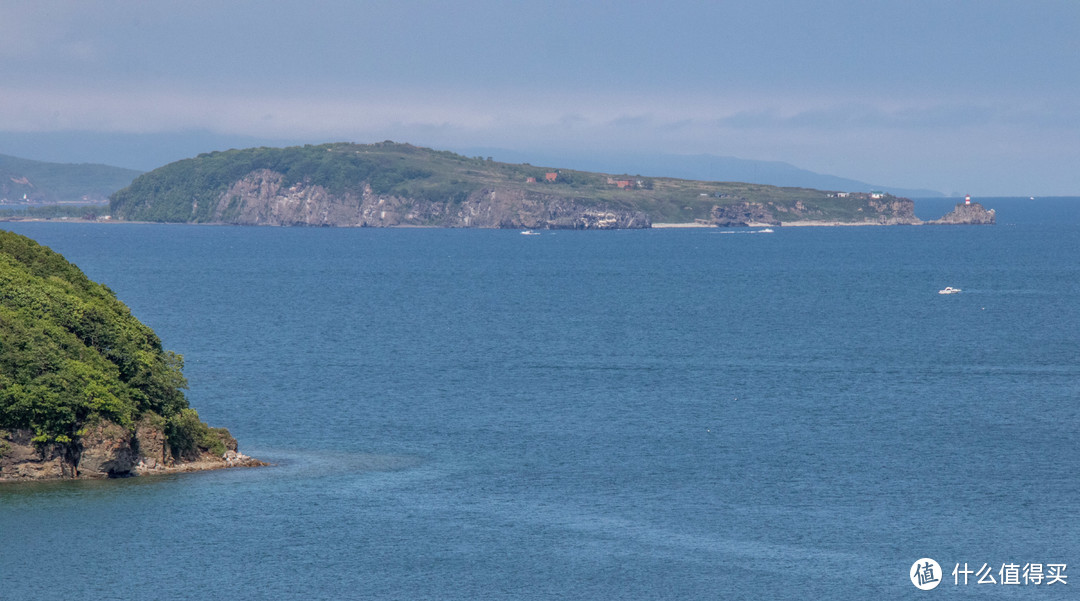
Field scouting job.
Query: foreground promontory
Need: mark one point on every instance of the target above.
(86, 390)
(390, 184)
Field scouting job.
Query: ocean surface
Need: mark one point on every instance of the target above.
(664, 414)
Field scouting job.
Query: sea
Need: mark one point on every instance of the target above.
(652, 414)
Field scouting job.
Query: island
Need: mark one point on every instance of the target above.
(86, 390)
(390, 184)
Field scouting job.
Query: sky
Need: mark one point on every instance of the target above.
(962, 96)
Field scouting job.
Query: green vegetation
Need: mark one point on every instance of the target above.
(71, 354)
(188, 435)
(191, 190)
(58, 182)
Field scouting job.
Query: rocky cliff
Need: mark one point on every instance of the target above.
(743, 214)
(108, 450)
(263, 198)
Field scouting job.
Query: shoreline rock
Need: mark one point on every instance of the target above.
(107, 450)
(21, 459)
(209, 462)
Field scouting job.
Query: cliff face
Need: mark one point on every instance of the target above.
(967, 214)
(106, 451)
(21, 459)
(262, 198)
(899, 211)
(743, 214)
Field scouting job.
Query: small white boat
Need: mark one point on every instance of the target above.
(529, 233)
(949, 290)
(767, 230)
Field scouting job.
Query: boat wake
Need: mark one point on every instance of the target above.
(767, 230)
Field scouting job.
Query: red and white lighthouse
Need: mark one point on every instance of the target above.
(967, 199)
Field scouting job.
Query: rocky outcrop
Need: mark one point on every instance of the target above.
(967, 214)
(21, 459)
(263, 198)
(106, 450)
(152, 445)
(743, 214)
(892, 211)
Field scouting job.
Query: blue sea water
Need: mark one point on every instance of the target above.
(664, 414)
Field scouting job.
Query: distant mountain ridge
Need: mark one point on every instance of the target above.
(43, 182)
(149, 151)
(706, 167)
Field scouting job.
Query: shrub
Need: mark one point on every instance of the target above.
(189, 437)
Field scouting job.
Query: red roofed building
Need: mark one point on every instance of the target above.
(551, 176)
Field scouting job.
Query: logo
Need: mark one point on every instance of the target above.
(925, 574)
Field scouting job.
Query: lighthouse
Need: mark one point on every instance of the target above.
(967, 199)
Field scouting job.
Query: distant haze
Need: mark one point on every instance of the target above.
(961, 97)
(149, 151)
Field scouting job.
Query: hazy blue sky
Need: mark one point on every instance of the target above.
(960, 96)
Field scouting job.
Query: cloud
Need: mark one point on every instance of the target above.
(40, 35)
(676, 123)
(905, 142)
(156, 109)
(912, 116)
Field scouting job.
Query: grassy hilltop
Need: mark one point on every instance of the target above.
(205, 189)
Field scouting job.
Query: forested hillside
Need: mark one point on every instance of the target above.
(72, 355)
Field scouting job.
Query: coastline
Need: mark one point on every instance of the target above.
(663, 226)
(951, 218)
(781, 224)
(51, 469)
(832, 223)
(231, 459)
(108, 451)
